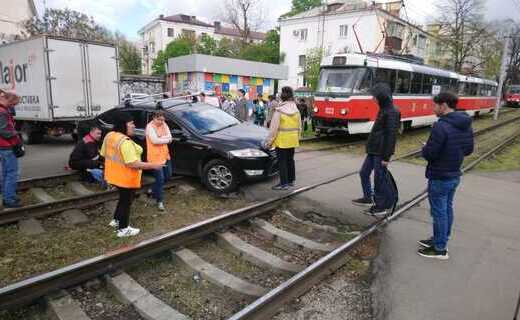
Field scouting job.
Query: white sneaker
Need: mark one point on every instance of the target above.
(160, 206)
(114, 223)
(128, 232)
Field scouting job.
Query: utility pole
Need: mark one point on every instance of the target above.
(503, 72)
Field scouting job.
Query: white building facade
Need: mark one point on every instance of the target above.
(344, 27)
(12, 16)
(157, 34)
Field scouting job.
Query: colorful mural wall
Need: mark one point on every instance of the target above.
(222, 83)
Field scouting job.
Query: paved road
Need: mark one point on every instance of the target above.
(46, 159)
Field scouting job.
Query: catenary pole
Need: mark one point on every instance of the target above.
(503, 72)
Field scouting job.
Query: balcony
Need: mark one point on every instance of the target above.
(393, 44)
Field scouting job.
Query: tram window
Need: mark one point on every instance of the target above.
(454, 85)
(365, 83)
(473, 89)
(427, 84)
(403, 81)
(444, 83)
(386, 75)
(416, 83)
(493, 91)
(462, 88)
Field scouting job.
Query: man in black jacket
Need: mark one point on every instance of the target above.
(380, 147)
(86, 159)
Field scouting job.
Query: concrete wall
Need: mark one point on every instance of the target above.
(140, 84)
(13, 13)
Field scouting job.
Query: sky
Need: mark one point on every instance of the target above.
(128, 16)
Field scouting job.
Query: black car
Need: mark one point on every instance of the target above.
(207, 142)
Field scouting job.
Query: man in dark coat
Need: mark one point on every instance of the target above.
(451, 139)
(86, 159)
(380, 147)
(242, 112)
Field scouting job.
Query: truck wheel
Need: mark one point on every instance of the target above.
(218, 176)
(31, 134)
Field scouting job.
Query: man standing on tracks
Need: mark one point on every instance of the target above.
(10, 149)
(451, 139)
(380, 147)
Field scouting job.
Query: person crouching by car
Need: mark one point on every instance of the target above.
(123, 169)
(11, 148)
(85, 157)
(158, 136)
(284, 135)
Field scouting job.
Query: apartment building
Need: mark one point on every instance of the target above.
(12, 16)
(159, 32)
(349, 26)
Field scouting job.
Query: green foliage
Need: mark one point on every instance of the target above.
(207, 45)
(129, 58)
(179, 47)
(312, 67)
(228, 48)
(299, 6)
(66, 23)
(266, 51)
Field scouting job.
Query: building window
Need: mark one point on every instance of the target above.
(395, 29)
(170, 32)
(301, 34)
(301, 60)
(188, 33)
(151, 47)
(421, 42)
(343, 31)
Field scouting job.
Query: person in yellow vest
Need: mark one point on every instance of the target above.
(284, 133)
(158, 136)
(123, 168)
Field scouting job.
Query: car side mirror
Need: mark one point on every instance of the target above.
(179, 135)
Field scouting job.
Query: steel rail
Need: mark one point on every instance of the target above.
(26, 291)
(25, 184)
(49, 208)
(269, 304)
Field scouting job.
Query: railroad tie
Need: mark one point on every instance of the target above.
(330, 229)
(289, 239)
(74, 217)
(30, 227)
(63, 307)
(256, 255)
(42, 195)
(79, 189)
(128, 291)
(216, 276)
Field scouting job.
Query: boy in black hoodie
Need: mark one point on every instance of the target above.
(451, 139)
(380, 147)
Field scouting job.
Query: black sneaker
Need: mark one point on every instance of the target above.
(376, 212)
(426, 243)
(363, 202)
(432, 253)
(279, 187)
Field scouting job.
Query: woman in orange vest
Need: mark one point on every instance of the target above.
(284, 133)
(158, 136)
(123, 167)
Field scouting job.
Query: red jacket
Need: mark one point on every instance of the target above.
(8, 135)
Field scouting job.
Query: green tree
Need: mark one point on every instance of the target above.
(129, 58)
(228, 48)
(207, 45)
(266, 51)
(179, 47)
(299, 6)
(66, 23)
(311, 69)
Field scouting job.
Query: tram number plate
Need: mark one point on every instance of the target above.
(329, 110)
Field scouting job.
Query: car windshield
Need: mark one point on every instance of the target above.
(344, 80)
(514, 90)
(207, 119)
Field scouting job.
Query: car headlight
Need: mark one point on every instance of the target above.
(248, 153)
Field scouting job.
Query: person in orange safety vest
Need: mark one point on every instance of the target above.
(123, 169)
(158, 137)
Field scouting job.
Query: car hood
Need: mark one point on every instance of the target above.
(243, 135)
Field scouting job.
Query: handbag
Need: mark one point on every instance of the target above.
(19, 150)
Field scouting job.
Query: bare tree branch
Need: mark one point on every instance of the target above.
(244, 15)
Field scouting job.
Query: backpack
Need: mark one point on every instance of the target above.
(389, 189)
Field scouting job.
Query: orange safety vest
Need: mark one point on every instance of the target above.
(116, 171)
(157, 153)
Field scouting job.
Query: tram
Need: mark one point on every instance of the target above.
(343, 102)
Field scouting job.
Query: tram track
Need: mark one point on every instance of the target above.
(27, 291)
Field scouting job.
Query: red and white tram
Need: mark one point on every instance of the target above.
(343, 102)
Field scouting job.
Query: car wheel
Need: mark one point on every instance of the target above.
(218, 176)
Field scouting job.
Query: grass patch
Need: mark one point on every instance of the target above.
(507, 159)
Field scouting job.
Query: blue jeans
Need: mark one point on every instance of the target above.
(161, 176)
(9, 175)
(440, 195)
(372, 163)
(98, 175)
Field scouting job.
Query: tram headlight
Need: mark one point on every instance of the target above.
(343, 112)
(315, 110)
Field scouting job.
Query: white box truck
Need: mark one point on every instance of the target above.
(60, 81)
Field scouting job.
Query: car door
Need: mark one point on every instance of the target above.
(187, 150)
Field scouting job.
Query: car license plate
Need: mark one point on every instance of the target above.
(329, 110)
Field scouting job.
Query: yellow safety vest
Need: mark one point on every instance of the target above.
(288, 135)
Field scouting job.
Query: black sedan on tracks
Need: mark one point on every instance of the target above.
(207, 142)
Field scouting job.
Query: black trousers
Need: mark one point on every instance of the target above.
(122, 213)
(286, 164)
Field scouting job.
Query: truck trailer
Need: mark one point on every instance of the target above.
(61, 81)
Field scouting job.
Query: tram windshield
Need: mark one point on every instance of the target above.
(514, 90)
(345, 80)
